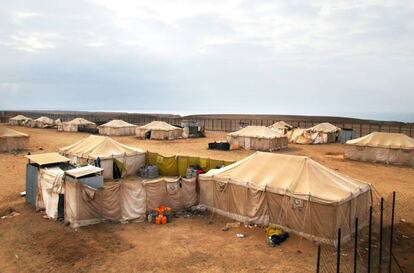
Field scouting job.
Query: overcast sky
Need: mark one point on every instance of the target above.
(352, 58)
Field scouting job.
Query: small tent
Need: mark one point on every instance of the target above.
(281, 127)
(19, 120)
(390, 148)
(75, 124)
(42, 122)
(175, 192)
(11, 140)
(294, 192)
(259, 138)
(120, 201)
(116, 159)
(117, 128)
(159, 130)
(318, 134)
(327, 133)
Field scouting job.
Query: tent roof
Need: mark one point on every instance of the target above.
(84, 171)
(325, 127)
(7, 132)
(79, 121)
(99, 146)
(256, 131)
(298, 176)
(45, 120)
(384, 140)
(281, 125)
(20, 117)
(117, 123)
(159, 125)
(47, 158)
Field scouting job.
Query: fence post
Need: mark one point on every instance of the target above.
(381, 226)
(369, 239)
(318, 259)
(392, 230)
(338, 252)
(356, 245)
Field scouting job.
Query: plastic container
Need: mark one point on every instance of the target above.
(164, 220)
(158, 220)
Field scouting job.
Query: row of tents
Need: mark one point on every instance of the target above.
(278, 135)
(389, 148)
(294, 192)
(154, 130)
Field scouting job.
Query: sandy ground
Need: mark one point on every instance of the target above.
(30, 243)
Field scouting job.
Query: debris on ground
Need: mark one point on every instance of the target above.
(23, 193)
(275, 235)
(240, 235)
(233, 225)
(9, 213)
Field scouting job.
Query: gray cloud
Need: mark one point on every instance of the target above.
(324, 58)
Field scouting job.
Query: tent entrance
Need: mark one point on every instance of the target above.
(148, 135)
(247, 143)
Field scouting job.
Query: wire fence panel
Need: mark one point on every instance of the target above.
(371, 248)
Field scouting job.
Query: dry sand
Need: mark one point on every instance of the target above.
(30, 243)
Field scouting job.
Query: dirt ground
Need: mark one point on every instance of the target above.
(30, 243)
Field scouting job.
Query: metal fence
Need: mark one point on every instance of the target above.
(379, 246)
(226, 124)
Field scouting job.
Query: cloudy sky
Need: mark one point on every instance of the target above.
(352, 58)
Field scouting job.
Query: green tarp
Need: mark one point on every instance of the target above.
(177, 165)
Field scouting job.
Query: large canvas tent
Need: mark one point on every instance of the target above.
(259, 138)
(74, 124)
(19, 120)
(281, 127)
(117, 127)
(11, 140)
(390, 148)
(159, 130)
(112, 155)
(294, 192)
(42, 122)
(318, 134)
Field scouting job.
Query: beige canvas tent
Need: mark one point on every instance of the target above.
(121, 201)
(159, 130)
(281, 127)
(74, 124)
(259, 138)
(19, 120)
(11, 140)
(42, 122)
(294, 192)
(326, 133)
(109, 152)
(117, 128)
(174, 192)
(318, 134)
(390, 148)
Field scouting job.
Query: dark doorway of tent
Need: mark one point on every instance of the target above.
(148, 135)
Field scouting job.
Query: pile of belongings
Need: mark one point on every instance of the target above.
(193, 171)
(160, 216)
(149, 171)
(224, 146)
(276, 235)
